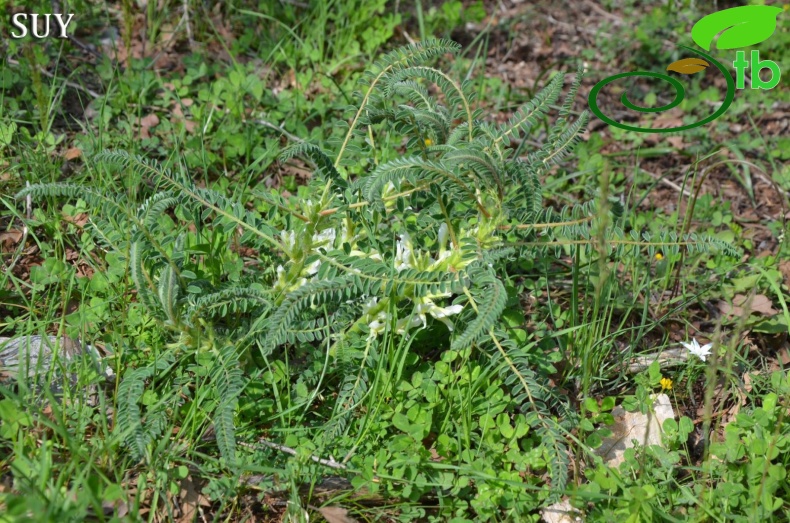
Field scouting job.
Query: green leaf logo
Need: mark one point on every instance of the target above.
(742, 26)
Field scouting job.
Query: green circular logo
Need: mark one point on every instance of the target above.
(680, 93)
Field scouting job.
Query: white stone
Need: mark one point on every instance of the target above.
(560, 512)
(631, 427)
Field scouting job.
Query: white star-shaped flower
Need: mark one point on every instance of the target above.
(695, 349)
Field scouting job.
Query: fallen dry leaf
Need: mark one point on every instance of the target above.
(79, 219)
(178, 117)
(10, 239)
(760, 304)
(676, 141)
(668, 119)
(190, 500)
(146, 123)
(748, 378)
(784, 268)
(72, 153)
(731, 311)
(336, 515)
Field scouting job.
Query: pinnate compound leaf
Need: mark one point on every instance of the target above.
(741, 26)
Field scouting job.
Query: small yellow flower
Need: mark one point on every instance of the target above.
(666, 384)
(428, 142)
(786, 7)
(659, 256)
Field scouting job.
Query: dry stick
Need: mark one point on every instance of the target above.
(687, 225)
(613, 242)
(65, 82)
(280, 129)
(665, 358)
(288, 450)
(25, 232)
(166, 44)
(611, 16)
(668, 183)
(546, 225)
(331, 462)
(189, 29)
(85, 47)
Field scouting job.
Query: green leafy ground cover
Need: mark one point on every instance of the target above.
(341, 270)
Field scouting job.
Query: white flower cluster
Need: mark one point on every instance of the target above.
(407, 258)
(375, 313)
(324, 239)
(378, 320)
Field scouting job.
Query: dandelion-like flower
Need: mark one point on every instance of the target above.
(695, 349)
(666, 384)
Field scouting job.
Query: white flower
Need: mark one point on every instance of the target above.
(439, 313)
(403, 253)
(407, 323)
(372, 302)
(695, 349)
(312, 269)
(326, 236)
(378, 324)
(444, 232)
(443, 312)
(345, 233)
(443, 256)
(376, 327)
(289, 240)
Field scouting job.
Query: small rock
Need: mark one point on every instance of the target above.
(561, 512)
(645, 429)
(31, 357)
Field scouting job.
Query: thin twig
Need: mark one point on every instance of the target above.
(288, 450)
(25, 231)
(28, 205)
(667, 358)
(611, 16)
(85, 47)
(166, 46)
(189, 29)
(65, 82)
(547, 225)
(280, 129)
(407, 36)
(668, 183)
